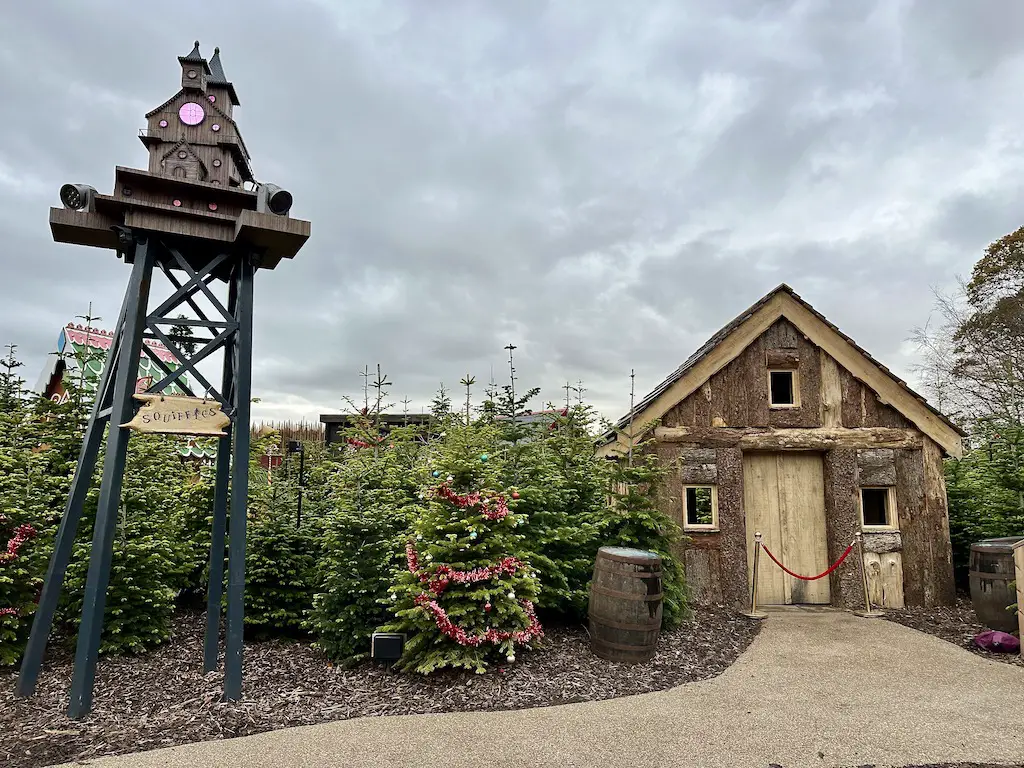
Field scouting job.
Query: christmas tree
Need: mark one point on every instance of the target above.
(466, 596)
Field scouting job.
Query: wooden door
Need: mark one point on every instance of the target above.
(784, 499)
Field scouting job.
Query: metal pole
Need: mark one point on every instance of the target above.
(239, 485)
(215, 584)
(302, 474)
(867, 612)
(753, 587)
(91, 628)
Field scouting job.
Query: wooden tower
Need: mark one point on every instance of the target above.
(199, 216)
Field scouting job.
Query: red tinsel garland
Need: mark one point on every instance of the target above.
(439, 580)
(21, 534)
(493, 507)
(411, 558)
(460, 636)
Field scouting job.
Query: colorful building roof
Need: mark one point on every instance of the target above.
(81, 355)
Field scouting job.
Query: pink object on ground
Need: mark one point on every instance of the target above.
(993, 640)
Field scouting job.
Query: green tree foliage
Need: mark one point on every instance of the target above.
(39, 442)
(985, 490)
(281, 556)
(563, 492)
(368, 496)
(466, 598)
(150, 561)
(634, 520)
(974, 371)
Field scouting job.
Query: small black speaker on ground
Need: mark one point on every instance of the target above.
(386, 646)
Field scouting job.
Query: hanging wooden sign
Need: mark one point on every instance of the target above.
(177, 415)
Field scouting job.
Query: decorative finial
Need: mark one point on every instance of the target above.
(216, 50)
(196, 43)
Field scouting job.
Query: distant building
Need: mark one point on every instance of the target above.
(80, 356)
(336, 423)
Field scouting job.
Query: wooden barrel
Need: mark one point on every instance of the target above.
(991, 571)
(625, 604)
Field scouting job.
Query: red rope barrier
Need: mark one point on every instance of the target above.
(834, 565)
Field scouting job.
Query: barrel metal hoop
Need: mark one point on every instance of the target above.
(637, 574)
(628, 559)
(622, 646)
(623, 625)
(632, 596)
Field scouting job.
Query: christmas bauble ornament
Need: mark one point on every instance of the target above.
(511, 595)
(484, 457)
(487, 607)
(472, 535)
(511, 658)
(436, 473)
(515, 494)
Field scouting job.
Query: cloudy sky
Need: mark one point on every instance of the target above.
(602, 184)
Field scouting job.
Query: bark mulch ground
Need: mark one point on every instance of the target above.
(956, 624)
(163, 698)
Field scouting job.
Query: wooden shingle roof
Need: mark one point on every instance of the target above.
(783, 301)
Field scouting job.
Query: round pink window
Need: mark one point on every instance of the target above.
(177, 203)
(212, 98)
(191, 113)
(216, 127)
(163, 123)
(212, 206)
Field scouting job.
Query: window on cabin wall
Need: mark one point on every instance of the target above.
(700, 508)
(878, 508)
(783, 389)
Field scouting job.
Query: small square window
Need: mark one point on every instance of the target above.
(782, 389)
(700, 508)
(877, 508)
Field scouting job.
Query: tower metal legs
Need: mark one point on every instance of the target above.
(239, 487)
(114, 405)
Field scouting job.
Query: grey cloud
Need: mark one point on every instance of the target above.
(601, 184)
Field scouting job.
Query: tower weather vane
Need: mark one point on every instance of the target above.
(189, 216)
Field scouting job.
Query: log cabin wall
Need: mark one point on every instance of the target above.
(911, 565)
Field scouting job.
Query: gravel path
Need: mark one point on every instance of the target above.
(163, 699)
(815, 688)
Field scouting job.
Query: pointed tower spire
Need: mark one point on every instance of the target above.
(195, 56)
(218, 78)
(216, 68)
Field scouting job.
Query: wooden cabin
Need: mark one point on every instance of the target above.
(781, 424)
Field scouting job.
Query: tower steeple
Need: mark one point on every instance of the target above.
(219, 81)
(194, 70)
(193, 135)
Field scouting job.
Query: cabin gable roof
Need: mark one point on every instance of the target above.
(729, 342)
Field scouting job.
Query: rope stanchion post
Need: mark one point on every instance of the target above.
(754, 613)
(867, 613)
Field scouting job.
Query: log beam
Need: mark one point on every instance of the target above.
(768, 439)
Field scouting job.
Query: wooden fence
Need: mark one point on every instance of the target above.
(306, 431)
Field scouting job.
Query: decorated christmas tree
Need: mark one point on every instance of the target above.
(466, 596)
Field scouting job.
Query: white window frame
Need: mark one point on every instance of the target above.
(890, 507)
(795, 373)
(687, 526)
